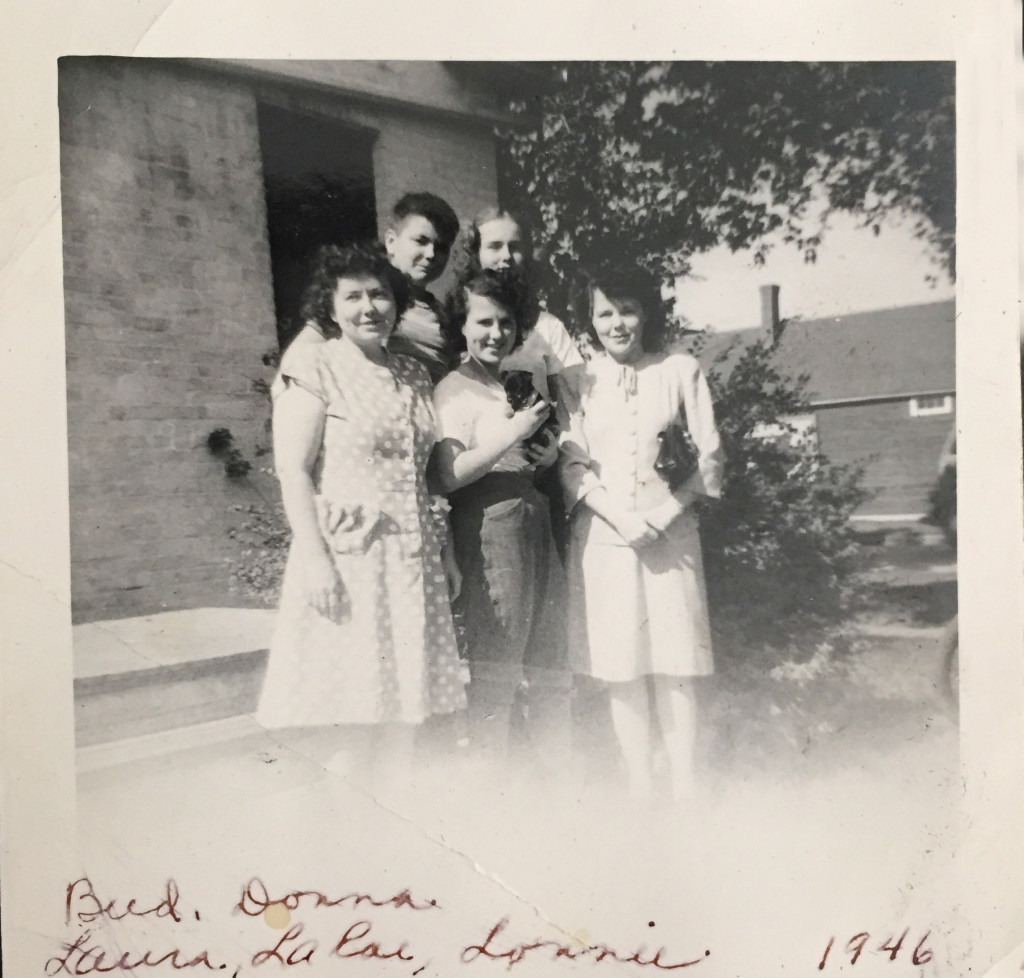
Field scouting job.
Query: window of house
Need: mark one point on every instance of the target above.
(800, 430)
(922, 407)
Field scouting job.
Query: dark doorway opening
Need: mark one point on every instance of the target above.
(318, 177)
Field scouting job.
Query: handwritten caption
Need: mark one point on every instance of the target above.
(294, 946)
(892, 946)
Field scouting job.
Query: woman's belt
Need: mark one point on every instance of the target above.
(494, 487)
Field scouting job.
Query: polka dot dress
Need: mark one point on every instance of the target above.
(392, 656)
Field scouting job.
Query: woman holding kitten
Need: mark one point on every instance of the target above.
(488, 457)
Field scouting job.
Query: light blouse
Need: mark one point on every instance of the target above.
(612, 437)
(466, 402)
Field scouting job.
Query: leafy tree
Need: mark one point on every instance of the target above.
(673, 158)
(663, 161)
(659, 162)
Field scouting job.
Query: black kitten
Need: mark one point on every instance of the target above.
(521, 393)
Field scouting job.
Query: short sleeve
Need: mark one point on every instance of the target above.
(302, 365)
(560, 351)
(453, 414)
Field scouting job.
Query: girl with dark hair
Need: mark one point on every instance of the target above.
(364, 633)
(498, 239)
(417, 243)
(637, 605)
(513, 591)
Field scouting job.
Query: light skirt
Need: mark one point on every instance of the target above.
(635, 613)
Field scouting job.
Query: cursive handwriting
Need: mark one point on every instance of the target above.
(515, 953)
(290, 950)
(295, 946)
(81, 958)
(299, 954)
(88, 906)
(358, 932)
(255, 899)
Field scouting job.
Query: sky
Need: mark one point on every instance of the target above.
(855, 271)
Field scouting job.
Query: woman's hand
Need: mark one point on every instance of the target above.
(662, 517)
(629, 525)
(456, 466)
(322, 585)
(545, 453)
(634, 529)
(524, 423)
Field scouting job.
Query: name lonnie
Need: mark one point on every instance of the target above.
(514, 953)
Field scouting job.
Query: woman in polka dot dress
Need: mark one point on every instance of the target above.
(364, 633)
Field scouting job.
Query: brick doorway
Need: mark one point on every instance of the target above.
(318, 178)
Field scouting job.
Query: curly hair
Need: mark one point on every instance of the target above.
(435, 209)
(618, 282)
(333, 263)
(504, 288)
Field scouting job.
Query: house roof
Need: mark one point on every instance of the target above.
(907, 350)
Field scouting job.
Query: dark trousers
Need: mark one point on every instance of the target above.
(513, 602)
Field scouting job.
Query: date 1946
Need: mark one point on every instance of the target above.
(855, 947)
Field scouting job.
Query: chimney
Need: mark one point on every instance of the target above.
(771, 325)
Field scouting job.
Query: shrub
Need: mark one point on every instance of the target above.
(778, 546)
(220, 442)
(942, 504)
(263, 539)
(262, 533)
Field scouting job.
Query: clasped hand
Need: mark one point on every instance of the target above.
(635, 530)
(643, 528)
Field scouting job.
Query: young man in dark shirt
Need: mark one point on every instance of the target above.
(418, 241)
(423, 228)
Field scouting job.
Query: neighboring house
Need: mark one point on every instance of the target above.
(192, 194)
(882, 392)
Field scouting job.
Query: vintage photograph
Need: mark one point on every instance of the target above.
(545, 472)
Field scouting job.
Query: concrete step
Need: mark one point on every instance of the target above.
(141, 676)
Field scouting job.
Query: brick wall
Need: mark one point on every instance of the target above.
(414, 150)
(901, 453)
(169, 305)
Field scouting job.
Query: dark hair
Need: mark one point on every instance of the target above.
(332, 264)
(618, 281)
(505, 288)
(435, 209)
